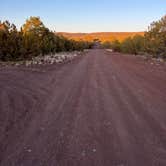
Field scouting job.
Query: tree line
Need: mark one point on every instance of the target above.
(33, 39)
(153, 43)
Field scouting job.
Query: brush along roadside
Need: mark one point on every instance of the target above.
(57, 58)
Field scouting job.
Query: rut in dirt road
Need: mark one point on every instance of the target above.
(102, 109)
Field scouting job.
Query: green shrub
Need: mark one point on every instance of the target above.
(32, 40)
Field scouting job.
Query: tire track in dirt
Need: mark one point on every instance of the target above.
(102, 109)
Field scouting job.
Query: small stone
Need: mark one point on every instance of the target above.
(42, 128)
(94, 150)
(29, 150)
(61, 134)
(114, 77)
(83, 153)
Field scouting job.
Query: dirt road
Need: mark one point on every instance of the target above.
(103, 109)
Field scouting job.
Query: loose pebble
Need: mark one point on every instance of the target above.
(94, 150)
(29, 150)
(83, 153)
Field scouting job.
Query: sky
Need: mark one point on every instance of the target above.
(85, 15)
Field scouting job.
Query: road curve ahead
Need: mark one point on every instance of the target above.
(102, 109)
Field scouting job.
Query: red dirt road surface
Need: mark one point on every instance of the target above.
(102, 109)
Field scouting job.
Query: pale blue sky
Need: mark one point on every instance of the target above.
(85, 15)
